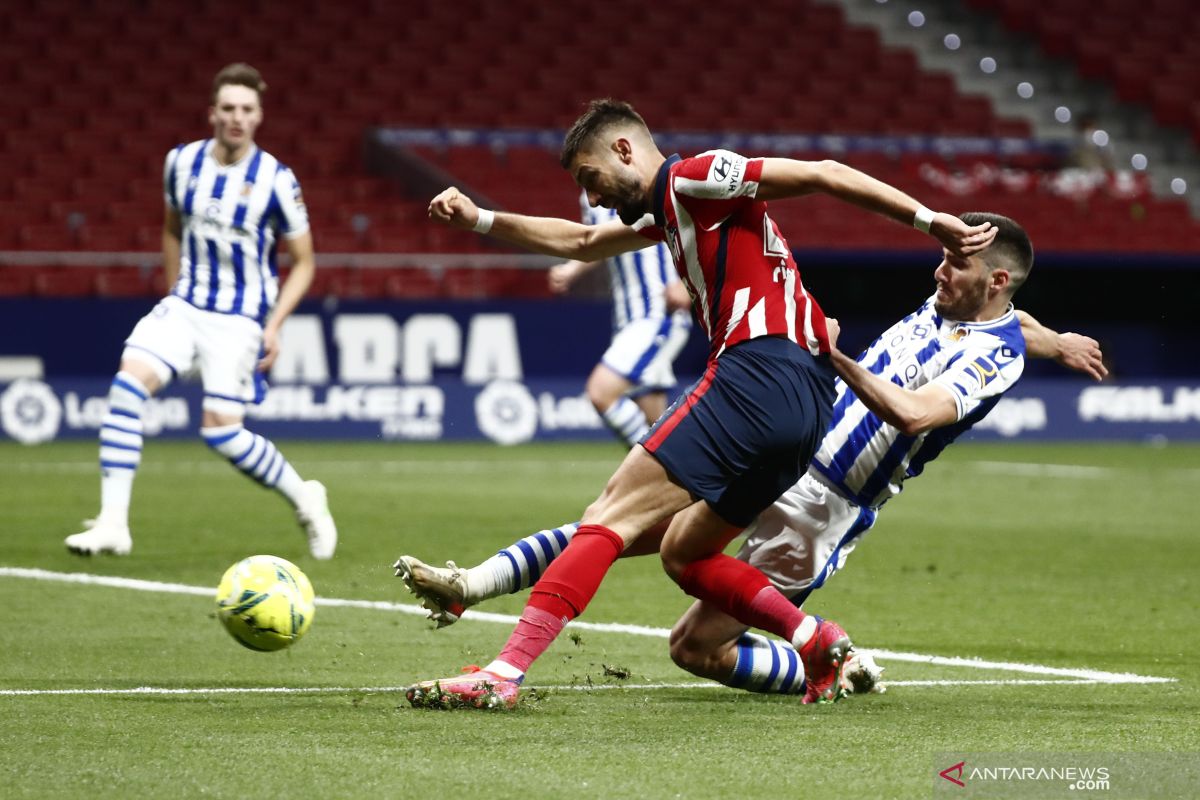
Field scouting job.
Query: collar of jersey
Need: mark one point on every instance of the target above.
(660, 190)
(210, 152)
(1003, 319)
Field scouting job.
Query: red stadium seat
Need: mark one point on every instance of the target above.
(16, 281)
(123, 282)
(65, 282)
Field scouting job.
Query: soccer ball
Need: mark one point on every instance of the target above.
(265, 602)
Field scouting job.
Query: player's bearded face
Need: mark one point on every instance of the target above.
(628, 199)
(962, 287)
(611, 184)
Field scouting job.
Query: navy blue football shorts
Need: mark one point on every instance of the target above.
(744, 433)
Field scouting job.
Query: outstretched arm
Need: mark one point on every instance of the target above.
(561, 276)
(1072, 350)
(548, 235)
(786, 177)
(911, 411)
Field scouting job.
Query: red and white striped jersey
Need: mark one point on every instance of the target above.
(737, 267)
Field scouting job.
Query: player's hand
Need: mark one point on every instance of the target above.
(1082, 354)
(832, 330)
(561, 276)
(960, 238)
(270, 347)
(452, 207)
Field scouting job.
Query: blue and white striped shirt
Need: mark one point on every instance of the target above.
(865, 459)
(232, 217)
(638, 279)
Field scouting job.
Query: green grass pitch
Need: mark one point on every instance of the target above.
(1081, 557)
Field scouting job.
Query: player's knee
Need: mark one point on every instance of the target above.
(673, 560)
(604, 388)
(687, 653)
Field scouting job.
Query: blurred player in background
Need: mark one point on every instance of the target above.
(921, 384)
(744, 433)
(227, 203)
(629, 385)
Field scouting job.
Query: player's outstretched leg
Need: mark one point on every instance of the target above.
(713, 645)
(741, 591)
(261, 460)
(448, 591)
(476, 688)
(120, 455)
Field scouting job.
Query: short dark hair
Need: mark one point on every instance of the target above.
(239, 74)
(1011, 250)
(600, 114)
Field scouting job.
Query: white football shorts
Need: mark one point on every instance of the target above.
(176, 338)
(644, 350)
(801, 540)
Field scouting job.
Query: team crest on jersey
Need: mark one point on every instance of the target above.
(959, 333)
(247, 188)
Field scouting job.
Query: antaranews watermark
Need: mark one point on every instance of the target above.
(1120, 776)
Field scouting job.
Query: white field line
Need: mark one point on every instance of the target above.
(215, 465)
(1081, 676)
(1023, 469)
(575, 687)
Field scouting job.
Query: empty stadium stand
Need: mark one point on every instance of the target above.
(101, 91)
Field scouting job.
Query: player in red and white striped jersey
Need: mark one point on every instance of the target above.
(731, 445)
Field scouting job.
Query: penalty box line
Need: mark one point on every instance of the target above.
(1081, 676)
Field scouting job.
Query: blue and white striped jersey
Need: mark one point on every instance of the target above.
(865, 458)
(638, 279)
(232, 217)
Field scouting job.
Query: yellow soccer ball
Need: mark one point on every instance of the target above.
(265, 602)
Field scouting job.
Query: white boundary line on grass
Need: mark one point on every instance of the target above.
(601, 687)
(1081, 676)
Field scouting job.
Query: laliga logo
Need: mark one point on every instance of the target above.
(954, 774)
(30, 412)
(506, 412)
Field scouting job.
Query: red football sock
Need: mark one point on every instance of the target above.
(562, 594)
(742, 592)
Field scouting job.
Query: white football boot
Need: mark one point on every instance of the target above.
(313, 513)
(861, 675)
(100, 537)
(441, 590)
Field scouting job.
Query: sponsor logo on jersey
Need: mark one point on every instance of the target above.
(984, 370)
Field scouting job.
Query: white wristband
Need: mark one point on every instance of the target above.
(487, 217)
(923, 219)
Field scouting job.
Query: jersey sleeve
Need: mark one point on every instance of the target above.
(714, 185)
(291, 204)
(169, 179)
(980, 372)
(646, 227)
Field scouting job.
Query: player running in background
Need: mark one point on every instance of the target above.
(965, 343)
(227, 203)
(746, 430)
(629, 385)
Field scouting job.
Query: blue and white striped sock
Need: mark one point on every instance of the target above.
(120, 446)
(766, 665)
(626, 419)
(256, 456)
(517, 566)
